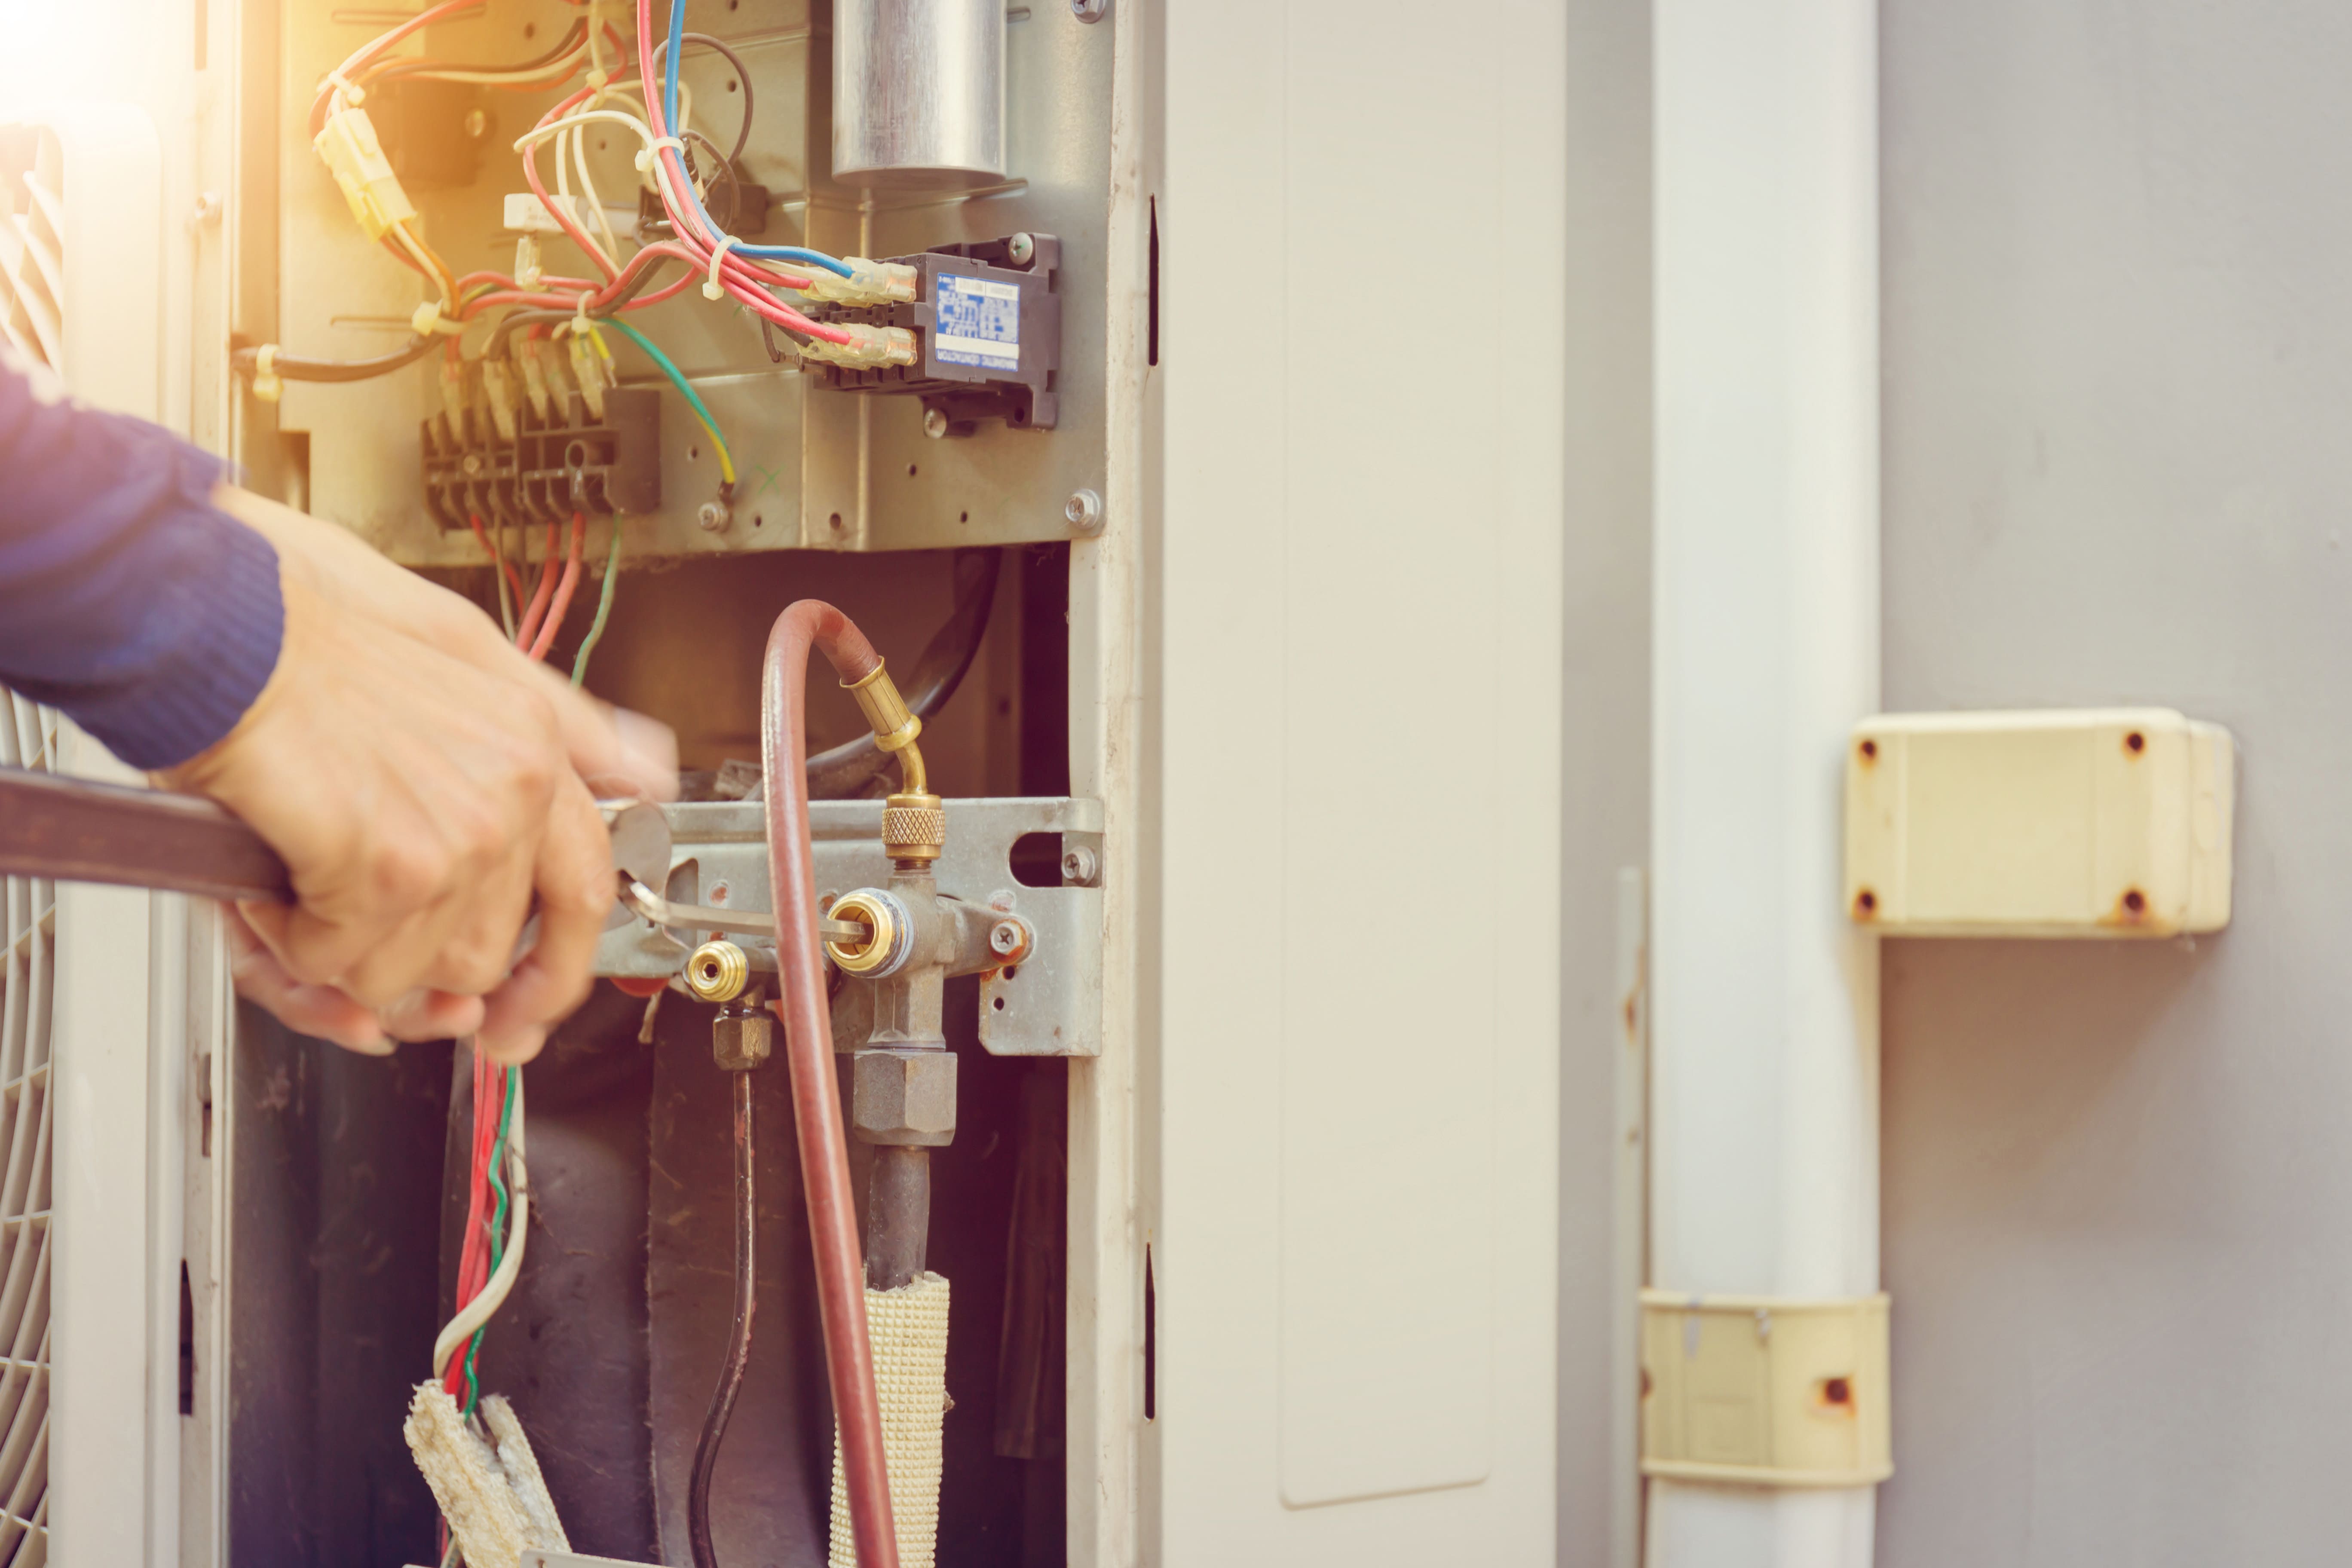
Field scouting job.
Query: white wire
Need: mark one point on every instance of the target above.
(408, 243)
(554, 70)
(596, 202)
(479, 1311)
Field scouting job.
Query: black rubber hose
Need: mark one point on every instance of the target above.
(843, 772)
(738, 1343)
(294, 367)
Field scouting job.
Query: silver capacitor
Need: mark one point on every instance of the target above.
(919, 93)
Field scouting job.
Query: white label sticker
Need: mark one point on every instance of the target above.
(979, 323)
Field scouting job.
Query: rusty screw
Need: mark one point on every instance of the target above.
(1865, 903)
(1005, 938)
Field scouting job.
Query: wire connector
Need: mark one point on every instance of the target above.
(866, 346)
(266, 386)
(534, 376)
(588, 373)
(497, 390)
(869, 283)
(356, 157)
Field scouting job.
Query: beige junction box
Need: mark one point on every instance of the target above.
(2091, 822)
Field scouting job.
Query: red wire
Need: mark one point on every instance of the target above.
(369, 51)
(513, 581)
(563, 592)
(529, 627)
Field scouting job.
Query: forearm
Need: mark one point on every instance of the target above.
(127, 599)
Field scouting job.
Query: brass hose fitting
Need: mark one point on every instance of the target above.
(717, 971)
(914, 824)
(889, 934)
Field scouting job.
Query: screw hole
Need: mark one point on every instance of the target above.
(834, 521)
(2135, 742)
(731, 84)
(694, 453)
(1870, 751)
(1837, 1391)
(963, 517)
(531, 29)
(999, 1004)
(757, 520)
(2134, 900)
(910, 470)
(1865, 903)
(1011, 970)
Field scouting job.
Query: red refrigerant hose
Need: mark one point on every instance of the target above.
(808, 1048)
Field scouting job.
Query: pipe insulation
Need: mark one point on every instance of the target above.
(908, 1327)
(1765, 998)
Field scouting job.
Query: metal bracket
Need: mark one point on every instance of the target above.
(1765, 1390)
(1049, 1005)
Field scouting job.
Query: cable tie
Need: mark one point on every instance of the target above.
(266, 386)
(352, 97)
(646, 153)
(710, 289)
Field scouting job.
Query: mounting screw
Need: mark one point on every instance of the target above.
(1022, 248)
(1080, 865)
(471, 464)
(477, 124)
(935, 424)
(714, 516)
(1005, 938)
(1089, 10)
(1083, 509)
(207, 210)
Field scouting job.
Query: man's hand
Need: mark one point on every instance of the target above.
(425, 783)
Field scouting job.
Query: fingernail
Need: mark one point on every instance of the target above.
(649, 751)
(381, 1046)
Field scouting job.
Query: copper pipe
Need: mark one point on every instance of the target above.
(808, 1047)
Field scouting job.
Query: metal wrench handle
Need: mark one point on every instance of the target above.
(84, 831)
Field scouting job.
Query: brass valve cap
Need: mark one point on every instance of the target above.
(914, 826)
(885, 951)
(717, 972)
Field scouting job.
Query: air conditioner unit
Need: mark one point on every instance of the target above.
(96, 1027)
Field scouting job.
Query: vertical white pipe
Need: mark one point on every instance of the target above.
(1765, 1020)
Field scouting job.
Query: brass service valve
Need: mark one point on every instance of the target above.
(914, 820)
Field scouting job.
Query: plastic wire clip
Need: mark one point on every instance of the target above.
(710, 289)
(266, 386)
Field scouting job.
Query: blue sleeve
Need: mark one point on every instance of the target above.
(127, 599)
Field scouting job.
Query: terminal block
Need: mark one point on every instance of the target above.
(574, 458)
(987, 318)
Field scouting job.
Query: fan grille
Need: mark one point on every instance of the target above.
(32, 245)
(28, 923)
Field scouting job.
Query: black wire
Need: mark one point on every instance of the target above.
(726, 169)
(744, 132)
(398, 68)
(768, 339)
(293, 367)
(738, 1343)
(840, 772)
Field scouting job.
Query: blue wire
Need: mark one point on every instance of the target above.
(670, 58)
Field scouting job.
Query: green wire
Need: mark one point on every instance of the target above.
(498, 1227)
(604, 608)
(694, 399)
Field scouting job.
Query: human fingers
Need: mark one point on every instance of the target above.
(319, 1011)
(427, 1014)
(574, 882)
(617, 752)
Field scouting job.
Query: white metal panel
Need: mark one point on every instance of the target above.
(1360, 618)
